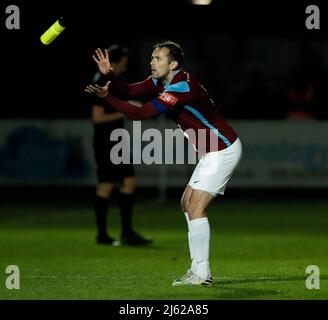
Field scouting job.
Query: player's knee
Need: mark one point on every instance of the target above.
(104, 190)
(194, 211)
(129, 185)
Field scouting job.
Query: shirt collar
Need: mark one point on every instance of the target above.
(176, 78)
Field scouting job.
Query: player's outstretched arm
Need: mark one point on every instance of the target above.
(97, 90)
(102, 60)
(117, 87)
(132, 111)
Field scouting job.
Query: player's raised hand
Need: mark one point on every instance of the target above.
(102, 61)
(101, 92)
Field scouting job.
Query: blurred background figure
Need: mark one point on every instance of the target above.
(304, 88)
(105, 120)
(300, 95)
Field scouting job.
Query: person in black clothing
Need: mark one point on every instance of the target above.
(106, 119)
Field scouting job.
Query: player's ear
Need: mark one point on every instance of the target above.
(173, 64)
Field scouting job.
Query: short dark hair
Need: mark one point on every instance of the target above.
(175, 51)
(116, 53)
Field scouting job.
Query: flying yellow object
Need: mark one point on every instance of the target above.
(53, 32)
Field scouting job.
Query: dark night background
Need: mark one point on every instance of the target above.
(268, 75)
(47, 81)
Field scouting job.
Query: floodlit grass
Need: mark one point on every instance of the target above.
(259, 250)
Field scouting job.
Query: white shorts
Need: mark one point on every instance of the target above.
(214, 169)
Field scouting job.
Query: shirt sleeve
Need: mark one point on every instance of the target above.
(171, 99)
(125, 91)
(147, 110)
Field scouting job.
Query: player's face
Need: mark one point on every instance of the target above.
(160, 65)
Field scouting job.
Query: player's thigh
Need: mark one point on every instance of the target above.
(128, 185)
(215, 169)
(198, 202)
(105, 189)
(185, 198)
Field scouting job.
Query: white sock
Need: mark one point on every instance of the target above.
(193, 267)
(192, 256)
(200, 242)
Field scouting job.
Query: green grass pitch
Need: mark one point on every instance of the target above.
(259, 250)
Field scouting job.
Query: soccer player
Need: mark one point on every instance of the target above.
(106, 119)
(171, 89)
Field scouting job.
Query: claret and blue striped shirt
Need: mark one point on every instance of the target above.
(184, 99)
